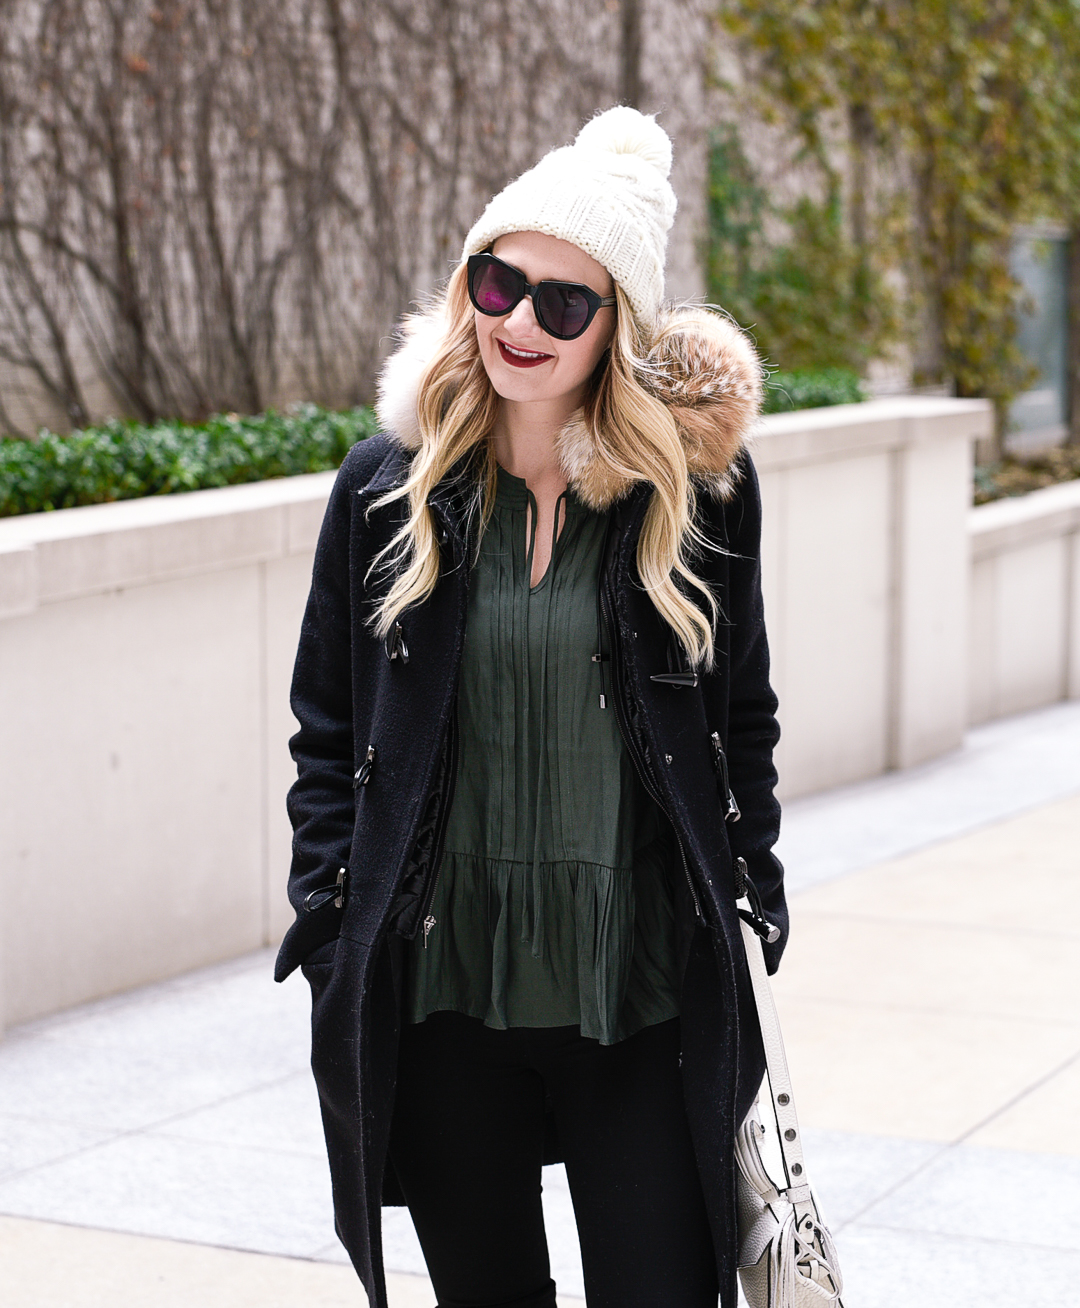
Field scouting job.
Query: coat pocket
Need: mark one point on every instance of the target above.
(318, 968)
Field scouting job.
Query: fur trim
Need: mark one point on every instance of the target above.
(700, 365)
(705, 370)
(419, 337)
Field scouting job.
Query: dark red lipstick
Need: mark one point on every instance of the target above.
(526, 359)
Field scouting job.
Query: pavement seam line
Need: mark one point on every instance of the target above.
(955, 1144)
(1045, 1079)
(149, 1129)
(974, 928)
(193, 1244)
(995, 1241)
(799, 886)
(926, 1010)
(136, 997)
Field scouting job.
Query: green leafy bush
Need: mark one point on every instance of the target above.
(126, 460)
(812, 388)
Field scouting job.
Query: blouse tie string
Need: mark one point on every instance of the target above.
(534, 897)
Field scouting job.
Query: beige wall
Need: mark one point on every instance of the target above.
(1025, 602)
(145, 655)
(865, 573)
(146, 650)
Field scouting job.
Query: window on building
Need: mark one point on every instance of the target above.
(1038, 417)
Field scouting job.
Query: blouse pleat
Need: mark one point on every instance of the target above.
(553, 902)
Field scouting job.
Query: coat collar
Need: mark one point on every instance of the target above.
(700, 365)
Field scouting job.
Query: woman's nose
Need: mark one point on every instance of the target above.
(522, 318)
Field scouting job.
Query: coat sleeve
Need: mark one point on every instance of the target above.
(752, 727)
(320, 802)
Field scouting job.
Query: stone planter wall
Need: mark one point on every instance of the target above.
(1025, 602)
(145, 655)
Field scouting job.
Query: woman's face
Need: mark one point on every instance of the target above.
(524, 363)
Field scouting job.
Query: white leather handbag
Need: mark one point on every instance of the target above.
(787, 1258)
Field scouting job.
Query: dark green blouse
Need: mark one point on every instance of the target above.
(553, 905)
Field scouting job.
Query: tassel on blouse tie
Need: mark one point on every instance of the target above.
(534, 899)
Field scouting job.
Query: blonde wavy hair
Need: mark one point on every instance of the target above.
(634, 437)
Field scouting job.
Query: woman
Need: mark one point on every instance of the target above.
(532, 677)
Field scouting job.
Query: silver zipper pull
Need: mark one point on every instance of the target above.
(429, 922)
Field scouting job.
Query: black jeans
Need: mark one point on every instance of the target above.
(467, 1147)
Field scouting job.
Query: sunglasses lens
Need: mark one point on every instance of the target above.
(495, 288)
(562, 311)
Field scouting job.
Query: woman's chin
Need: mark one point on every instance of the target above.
(520, 388)
(539, 385)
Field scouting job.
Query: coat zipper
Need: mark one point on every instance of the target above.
(620, 715)
(427, 921)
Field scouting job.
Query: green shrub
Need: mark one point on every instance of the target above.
(126, 460)
(812, 388)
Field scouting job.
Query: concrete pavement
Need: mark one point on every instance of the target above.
(929, 1006)
(162, 1148)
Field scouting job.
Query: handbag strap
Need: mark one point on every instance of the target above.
(754, 928)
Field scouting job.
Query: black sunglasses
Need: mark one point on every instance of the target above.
(563, 309)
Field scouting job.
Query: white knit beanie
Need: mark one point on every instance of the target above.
(607, 193)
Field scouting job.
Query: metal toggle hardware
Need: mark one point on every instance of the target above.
(741, 877)
(755, 918)
(680, 680)
(769, 933)
(334, 894)
(395, 646)
(362, 775)
(731, 812)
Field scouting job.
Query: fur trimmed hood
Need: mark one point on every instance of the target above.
(700, 365)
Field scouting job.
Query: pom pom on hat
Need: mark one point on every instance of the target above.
(608, 194)
(623, 130)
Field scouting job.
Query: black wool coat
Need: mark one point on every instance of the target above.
(375, 755)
